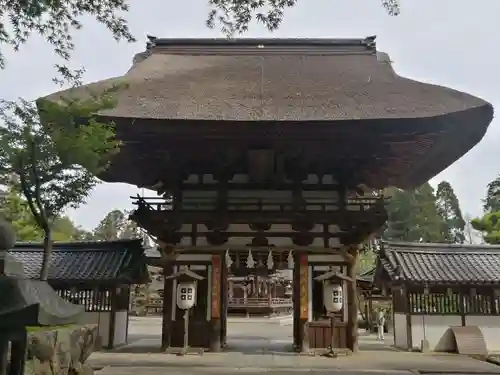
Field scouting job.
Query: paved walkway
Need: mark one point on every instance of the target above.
(265, 346)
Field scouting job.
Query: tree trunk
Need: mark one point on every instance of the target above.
(47, 253)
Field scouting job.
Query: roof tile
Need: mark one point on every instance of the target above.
(103, 261)
(419, 263)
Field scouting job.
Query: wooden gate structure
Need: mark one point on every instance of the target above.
(273, 150)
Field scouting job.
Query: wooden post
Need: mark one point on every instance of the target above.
(215, 322)
(352, 304)
(166, 331)
(304, 303)
(4, 352)
(296, 301)
(370, 315)
(224, 302)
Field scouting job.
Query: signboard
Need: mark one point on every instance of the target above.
(304, 273)
(216, 284)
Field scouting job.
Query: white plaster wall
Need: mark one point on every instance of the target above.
(490, 327)
(121, 322)
(433, 329)
(400, 331)
(102, 319)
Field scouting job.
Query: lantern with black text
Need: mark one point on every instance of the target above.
(186, 294)
(332, 297)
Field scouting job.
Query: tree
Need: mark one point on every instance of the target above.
(110, 227)
(368, 256)
(449, 209)
(65, 230)
(56, 20)
(55, 159)
(130, 228)
(491, 203)
(413, 216)
(471, 235)
(116, 225)
(234, 16)
(489, 224)
(15, 210)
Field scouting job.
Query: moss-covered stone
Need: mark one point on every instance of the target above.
(61, 350)
(7, 235)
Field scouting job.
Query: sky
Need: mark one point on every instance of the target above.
(445, 42)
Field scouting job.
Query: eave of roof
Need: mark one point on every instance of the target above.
(440, 264)
(332, 85)
(97, 262)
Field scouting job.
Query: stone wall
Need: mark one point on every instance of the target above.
(61, 350)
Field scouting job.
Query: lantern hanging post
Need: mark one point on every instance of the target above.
(187, 283)
(333, 300)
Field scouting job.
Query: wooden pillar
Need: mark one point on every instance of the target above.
(4, 353)
(296, 301)
(302, 298)
(168, 285)
(352, 304)
(215, 321)
(224, 302)
(112, 317)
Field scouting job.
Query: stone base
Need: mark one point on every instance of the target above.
(61, 351)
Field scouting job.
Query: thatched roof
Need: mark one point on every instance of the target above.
(341, 94)
(285, 80)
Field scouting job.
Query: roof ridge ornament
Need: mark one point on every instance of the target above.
(151, 43)
(370, 43)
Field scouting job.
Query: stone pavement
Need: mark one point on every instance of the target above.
(265, 346)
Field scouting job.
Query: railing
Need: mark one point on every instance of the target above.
(257, 203)
(260, 302)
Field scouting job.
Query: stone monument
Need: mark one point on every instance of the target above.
(25, 303)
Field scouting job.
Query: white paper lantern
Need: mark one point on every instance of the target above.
(186, 294)
(332, 297)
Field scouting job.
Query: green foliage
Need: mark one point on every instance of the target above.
(414, 217)
(53, 157)
(234, 16)
(491, 203)
(367, 258)
(64, 230)
(15, 210)
(116, 225)
(489, 224)
(7, 235)
(449, 209)
(55, 21)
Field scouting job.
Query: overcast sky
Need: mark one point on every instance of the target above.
(447, 42)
